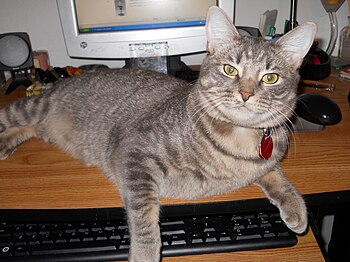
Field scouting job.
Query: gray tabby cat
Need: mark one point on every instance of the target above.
(154, 135)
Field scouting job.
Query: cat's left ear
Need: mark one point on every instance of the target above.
(219, 29)
(296, 43)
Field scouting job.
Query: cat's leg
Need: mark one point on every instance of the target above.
(17, 124)
(141, 198)
(12, 138)
(283, 195)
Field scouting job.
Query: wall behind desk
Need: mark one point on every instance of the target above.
(40, 19)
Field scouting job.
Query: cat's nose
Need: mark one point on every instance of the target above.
(245, 95)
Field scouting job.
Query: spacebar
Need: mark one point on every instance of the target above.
(74, 247)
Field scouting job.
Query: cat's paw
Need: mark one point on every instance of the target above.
(145, 257)
(5, 150)
(145, 253)
(295, 218)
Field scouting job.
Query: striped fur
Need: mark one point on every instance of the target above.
(154, 135)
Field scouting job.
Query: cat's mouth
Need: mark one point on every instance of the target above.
(243, 108)
(240, 114)
(251, 115)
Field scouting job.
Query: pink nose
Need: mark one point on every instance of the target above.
(245, 95)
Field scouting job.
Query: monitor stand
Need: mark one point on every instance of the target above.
(165, 64)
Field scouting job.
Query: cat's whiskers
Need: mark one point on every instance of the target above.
(281, 131)
(203, 105)
(274, 129)
(288, 124)
(284, 122)
(208, 97)
(284, 117)
(206, 108)
(295, 115)
(193, 82)
(291, 127)
(278, 117)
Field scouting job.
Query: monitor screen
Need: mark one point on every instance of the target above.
(121, 29)
(120, 15)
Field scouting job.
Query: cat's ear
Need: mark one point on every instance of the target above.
(296, 43)
(219, 28)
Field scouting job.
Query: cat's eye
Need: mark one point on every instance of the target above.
(230, 70)
(270, 78)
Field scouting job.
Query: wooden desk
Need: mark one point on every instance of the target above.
(39, 176)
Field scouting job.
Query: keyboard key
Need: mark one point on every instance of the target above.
(73, 247)
(63, 240)
(101, 238)
(47, 241)
(265, 225)
(238, 227)
(172, 223)
(115, 237)
(125, 244)
(88, 239)
(211, 236)
(172, 229)
(109, 228)
(178, 242)
(197, 240)
(21, 250)
(224, 238)
(209, 229)
(5, 251)
(245, 237)
(178, 239)
(262, 215)
(283, 234)
(33, 242)
(269, 234)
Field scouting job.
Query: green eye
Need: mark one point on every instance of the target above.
(270, 79)
(230, 70)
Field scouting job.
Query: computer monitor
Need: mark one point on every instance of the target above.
(124, 29)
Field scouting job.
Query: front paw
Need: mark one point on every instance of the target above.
(295, 217)
(5, 151)
(144, 252)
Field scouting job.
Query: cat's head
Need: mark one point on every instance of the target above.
(250, 81)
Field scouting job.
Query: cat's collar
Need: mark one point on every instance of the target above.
(265, 146)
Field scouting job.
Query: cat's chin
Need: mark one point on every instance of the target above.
(241, 116)
(244, 116)
(250, 123)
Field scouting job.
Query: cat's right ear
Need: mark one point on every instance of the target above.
(219, 29)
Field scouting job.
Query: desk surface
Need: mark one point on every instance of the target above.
(40, 176)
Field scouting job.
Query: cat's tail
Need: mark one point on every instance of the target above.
(18, 121)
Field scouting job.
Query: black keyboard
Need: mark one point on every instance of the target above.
(83, 235)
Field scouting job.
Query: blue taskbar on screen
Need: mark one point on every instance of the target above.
(141, 26)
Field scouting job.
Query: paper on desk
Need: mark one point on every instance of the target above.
(267, 20)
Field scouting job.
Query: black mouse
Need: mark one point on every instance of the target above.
(318, 109)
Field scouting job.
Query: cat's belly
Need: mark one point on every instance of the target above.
(195, 184)
(192, 189)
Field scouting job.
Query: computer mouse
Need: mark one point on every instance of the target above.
(318, 109)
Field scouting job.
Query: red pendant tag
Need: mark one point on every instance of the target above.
(266, 146)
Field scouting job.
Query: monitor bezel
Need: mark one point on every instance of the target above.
(116, 44)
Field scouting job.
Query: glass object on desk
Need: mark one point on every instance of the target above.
(331, 7)
(344, 41)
